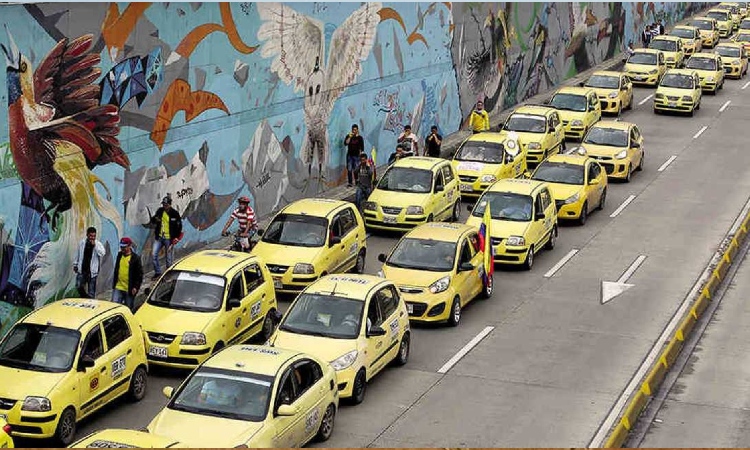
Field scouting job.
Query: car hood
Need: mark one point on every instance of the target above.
(524, 137)
(640, 68)
(136, 438)
(199, 430)
(707, 73)
(562, 191)
(668, 55)
(327, 349)
(398, 199)
(172, 321)
(19, 383)
(675, 92)
(473, 168)
(285, 255)
(412, 277)
(501, 228)
(602, 150)
(730, 59)
(605, 92)
(566, 115)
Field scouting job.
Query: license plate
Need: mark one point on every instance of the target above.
(672, 104)
(410, 308)
(389, 219)
(466, 187)
(159, 352)
(4, 417)
(277, 284)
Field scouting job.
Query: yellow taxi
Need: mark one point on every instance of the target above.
(614, 89)
(617, 146)
(710, 70)
(539, 131)
(65, 360)
(205, 301)
(646, 66)
(484, 158)
(524, 220)
(439, 269)
(358, 323)
(579, 109)
(709, 29)
(310, 238)
(252, 396)
(743, 38)
(679, 90)
(5, 440)
(671, 46)
(743, 9)
(745, 24)
(723, 21)
(122, 438)
(577, 182)
(691, 38)
(734, 59)
(734, 10)
(413, 191)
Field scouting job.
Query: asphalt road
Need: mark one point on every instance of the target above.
(555, 360)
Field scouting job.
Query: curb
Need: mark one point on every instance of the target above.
(703, 292)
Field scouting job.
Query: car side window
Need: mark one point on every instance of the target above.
(306, 374)
(388, 299)
(374, 315)
(596, 170)
(439, 183)
(474, 239)
(466, 253)
(538, 207)
(236, 288)
(348, 221)
(93, 347)
(593, 101)
(286, 394)
(253, 277)
(336, 227)
(546, 199)
(447, 173)
(116, 330)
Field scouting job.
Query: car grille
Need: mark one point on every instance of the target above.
(565, 122)
(160, 338)
(7, 403)
(671, 98)
(467, 178)
(274, 268)
(411, 290)
(391, 210)
(419, 309)
(610, 168)
(601, 158)
(496, 241)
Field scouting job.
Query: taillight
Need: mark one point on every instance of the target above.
(6, 428)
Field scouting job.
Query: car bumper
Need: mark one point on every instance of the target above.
(472, 188)
(400, 222)
(610, 105)
(644, 79)
(177, 356)
(30, 424)
(733, 71)
(424, 306)
(724, 33)
(673, 105)
(708, 40)
(535, 157)
(615, 168)
(513, 255)
(709, 86)
(569, 211)
(575, 133)
(345, 379)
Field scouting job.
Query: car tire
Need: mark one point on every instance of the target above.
(66, 427)
(456, 216)
(326, 424)
(487, 290)
(455, 314)
(268, 327)
(359, 265)
(602, 200)
(691, 113)
(584, 214)
(630, 103)
(629, 175)
(360, 387)
(138, 384)
(552, 239)
(529, 262)
(640, 163)
(403, 350)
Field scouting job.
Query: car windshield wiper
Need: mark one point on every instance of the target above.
(301, 331)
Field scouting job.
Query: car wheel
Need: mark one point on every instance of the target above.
(691, 113)
(456, 216)
(529, 263)
(455, 316)
(552, 239)
(326, 425)
(66, 427)
(629, 175)
(403, 350)
(360, 387)
(584, 214)
(630, 102)
(138, 383)
(563, 147)
(219, 345)
(487, 289)
(602, 200)
(698, 106)
(429, 218)
(359, 266)
(268, 327)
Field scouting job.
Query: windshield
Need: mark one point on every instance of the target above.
(701, 63)
(424, 254)
(505, 206)
(683, 33)
(602, 81)
(664, 45)
(526, 124)
(225, 393)
(477, 151)
(42, 348)
(189, 291)
(722, 16)
(297, 230)
(743, 37)
(648, 59)
(607, 136)
(325, 316)
(745, 25)
(730, 52)
(559, 173)
(569, 102)
(703, 25)
(677, 81)
(406, 179)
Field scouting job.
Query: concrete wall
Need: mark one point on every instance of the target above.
(221, 100)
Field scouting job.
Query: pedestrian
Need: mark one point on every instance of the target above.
(433, 142)
(409, 139)
(87, 263)
(167, 232)
(661, 26)
(355, 144)
(479, 120)
(629, 50)
(365, 179)
(245, 216)
(128, 275)
(654, 30)
(646, 36)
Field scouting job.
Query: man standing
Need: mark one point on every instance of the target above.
(409, 139)
(167, 232)
(128, 275)
(355, 145)
(433, 142)
(661, 26)
(87, 263)
(646, 37)
(480, 119)
(365, 180)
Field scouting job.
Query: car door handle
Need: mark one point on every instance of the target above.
(244, 310)
(130, 351)
(104, 369)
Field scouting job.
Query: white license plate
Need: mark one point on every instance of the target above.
(389, 219)
(277, 284)
(159, 352)
(672, 104)
(410, 308)
(466, 187)
(639, 78)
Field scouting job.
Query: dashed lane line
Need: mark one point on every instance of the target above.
(698, 134)
(745, 85)
(645, 99)
(667, 163)
(724, 106)
(465, 350)
(561, 263)
(622, 206)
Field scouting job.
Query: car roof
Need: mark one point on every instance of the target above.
(647, 50)
(71, 313)
(614, 124)
(440, 231)
(489, 136)
(575, 90)
(316, 207)
(704, 18)
(213, 262)
(259, 359)
(705, 55)
(685, 26)
(574, 159)
(666, 37)
(419, 162)
(130, 437)
(351, 286)
(608, 73)
(516, 186)
(730, 44)
(717, 10)
(681, 72)
(534, 110)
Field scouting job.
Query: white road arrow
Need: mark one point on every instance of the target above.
(611, 290)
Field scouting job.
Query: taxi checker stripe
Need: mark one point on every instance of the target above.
(105, 393)
(382, 355)
(239, 335)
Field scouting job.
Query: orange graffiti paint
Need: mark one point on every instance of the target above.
(195, 37)
(116, 27)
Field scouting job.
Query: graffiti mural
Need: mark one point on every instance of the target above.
(111, 106)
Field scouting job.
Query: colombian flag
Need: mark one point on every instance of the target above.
(373, 162)
(485, 243)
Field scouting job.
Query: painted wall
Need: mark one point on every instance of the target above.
(111, 106)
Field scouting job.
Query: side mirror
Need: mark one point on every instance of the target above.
(593, 182)
(287, 411)
(439, 188)
(85, 363)
(582, 84)
(635, 145)
(469, 208)
(375, 331)
(147, 291)
(168, 391)
(260, 231)
(334, 240)
(625, 60)
(382, 257)
(234, 303)
(466, 267)
(540, 216)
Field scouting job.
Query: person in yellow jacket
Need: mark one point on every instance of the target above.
(479, 120)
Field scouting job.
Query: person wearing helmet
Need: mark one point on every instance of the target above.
(245, 219)
(167, 224)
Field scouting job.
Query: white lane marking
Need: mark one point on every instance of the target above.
(466, 349)
(645, 99)
(631, 270)
(561, 263)
(746, 85)
(724, 106)
(698, 134)
(610, 290)
(623, 206)
(667, 163)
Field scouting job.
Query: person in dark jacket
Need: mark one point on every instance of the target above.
(128, 275)
(167, 232)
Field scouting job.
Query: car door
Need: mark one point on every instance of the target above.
(350, 239)
(662, 65)
(288, 429)
(257, 301)
(451, 186)
(536, 230)
(236, 316)
(311, 392)
(376, 345)
(595, 107)
(637, 139)
(559, 131)
(593, 191)
(439, 197)
(628, 87)
(119, 340)
(550, 212)
(94, 381)
(466, 281)
(388, 298)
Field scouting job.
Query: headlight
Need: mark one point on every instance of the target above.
(735, 63)
(510, 143)
(370, 206)
(534, 146)
(710, 79)
(516, 240)
(659, 96)
(36, 404)
(304, 268)
(622, 155)
(670, 58)
(414, 211)
(687, 98)
(576, 123)
(381, 274)
(345, 361)
(193, 338)
(440, 285)
(654, 72)
(612, 94)
(488, 178)
(573, 198)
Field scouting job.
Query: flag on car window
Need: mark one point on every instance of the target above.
(485, 243)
